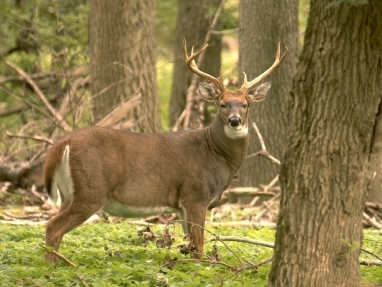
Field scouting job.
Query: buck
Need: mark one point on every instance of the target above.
(135, 175)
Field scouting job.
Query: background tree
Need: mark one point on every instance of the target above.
(122, 49)
(324, 175)
(192, 23)
(374, 193)
(262, 25)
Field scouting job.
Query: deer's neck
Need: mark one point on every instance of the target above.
(233, 149)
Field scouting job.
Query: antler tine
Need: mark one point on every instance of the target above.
(277, 62)
(190, 60)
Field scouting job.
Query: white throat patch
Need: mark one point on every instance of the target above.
(236, 132)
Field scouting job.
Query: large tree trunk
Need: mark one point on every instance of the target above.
(192, 24)
(324, 175)
(122, 49)
(263, 24)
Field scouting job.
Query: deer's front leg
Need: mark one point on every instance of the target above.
(195, 216)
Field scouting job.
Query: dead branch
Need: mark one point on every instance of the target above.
(371, 253)
(61, 121)
(244, 223)
(232, 194)
(55, 74)
(263, 150)
(120, 111)
(367, 262)
(82, 280)
(372, 221)
(78, 83)
(241, 239)
(32, 137)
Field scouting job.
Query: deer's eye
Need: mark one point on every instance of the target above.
(223, 105)
(244, 106)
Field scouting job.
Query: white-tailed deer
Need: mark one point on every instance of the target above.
(134, 175)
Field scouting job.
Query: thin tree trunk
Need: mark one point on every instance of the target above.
(192, 24)
(263, 24)
(324, 175)
(122, 49)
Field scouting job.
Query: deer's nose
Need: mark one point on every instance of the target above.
(234, 121)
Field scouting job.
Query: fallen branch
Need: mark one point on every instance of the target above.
(372, 221)
(82, 280)
(59, 255)
(241, 239)
(368, 262)
(120, 111)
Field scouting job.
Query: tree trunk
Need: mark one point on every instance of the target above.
(262, 25)
(324, 174)
(192, 24)
(375, 192)
(122, 49)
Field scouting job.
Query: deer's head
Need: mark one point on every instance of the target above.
(233, 105)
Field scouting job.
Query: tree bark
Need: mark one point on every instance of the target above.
(122, 49)
(197, 14)
(324, 174)
(262, 25)
(375, 191)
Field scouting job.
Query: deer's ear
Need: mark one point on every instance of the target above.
(260, 93)
(207, 92)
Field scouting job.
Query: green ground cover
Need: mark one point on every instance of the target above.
(112, 255)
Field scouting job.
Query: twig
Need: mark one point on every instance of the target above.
(263, 150)
(26, 102)
(52, 110)
(267, 205)
(371, 253)
(266, 188)
(82, 280)
(241, 239)
(255, 266)
(244, 223)
(205, 261)
(213, 234)
(32, 137)
(59, 255)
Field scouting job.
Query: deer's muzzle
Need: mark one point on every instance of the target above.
(234, 121)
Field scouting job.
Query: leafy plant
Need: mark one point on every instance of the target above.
(113, 255)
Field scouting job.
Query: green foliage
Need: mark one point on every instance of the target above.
(113, 255)
(48, 41)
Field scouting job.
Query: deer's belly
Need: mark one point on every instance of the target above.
(116, 208)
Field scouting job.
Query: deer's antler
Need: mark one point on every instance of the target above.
(277, 62)
(190, 60)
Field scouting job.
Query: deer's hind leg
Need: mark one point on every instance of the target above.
(70, 216)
